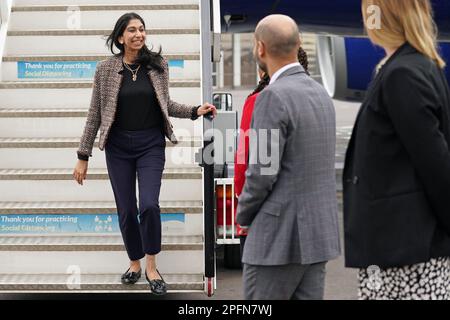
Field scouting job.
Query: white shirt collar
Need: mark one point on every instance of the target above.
(280, 71)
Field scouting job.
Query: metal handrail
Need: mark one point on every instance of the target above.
(5, 10)
(208, 168)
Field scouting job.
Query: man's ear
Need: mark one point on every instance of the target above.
(261, 47)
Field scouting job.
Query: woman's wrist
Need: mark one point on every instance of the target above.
(82, 157)
(194, 113)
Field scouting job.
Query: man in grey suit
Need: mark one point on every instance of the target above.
(289, 201)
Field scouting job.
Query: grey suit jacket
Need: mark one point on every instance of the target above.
(291, 209)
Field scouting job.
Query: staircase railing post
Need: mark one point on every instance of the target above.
(206, 17)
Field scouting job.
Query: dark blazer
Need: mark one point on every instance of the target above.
(397, 167)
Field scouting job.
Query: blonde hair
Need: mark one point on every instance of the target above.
(405, 20)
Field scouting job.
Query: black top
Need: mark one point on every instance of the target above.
(397, 167)
(137, 105)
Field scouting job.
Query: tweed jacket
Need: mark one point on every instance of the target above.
(103, 106)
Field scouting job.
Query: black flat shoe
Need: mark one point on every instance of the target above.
(131, 277)
(157, 286)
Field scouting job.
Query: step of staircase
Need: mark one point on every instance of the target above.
(109, 262)
(178, 184)
(53, 218)
(94, 174)
(181, 67)
(97, 57)
(95, 7)
(94, 32)
(68, 84)
(89, 243)
(59, 153)
(90, 207)
(68, 42)
(23, 123)
(42, 113)
(74, 142)
(92, 189)
(35, 71)
(102, 2)
(94, 283)
(102, 16)
(39, 97)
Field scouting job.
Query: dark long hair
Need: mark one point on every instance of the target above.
(146, 56)
(303, 59)
(265, 80)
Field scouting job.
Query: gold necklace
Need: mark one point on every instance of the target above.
(133, 72)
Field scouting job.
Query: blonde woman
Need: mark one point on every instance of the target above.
(397, 168)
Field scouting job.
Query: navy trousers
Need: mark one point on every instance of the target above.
(129, 153)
